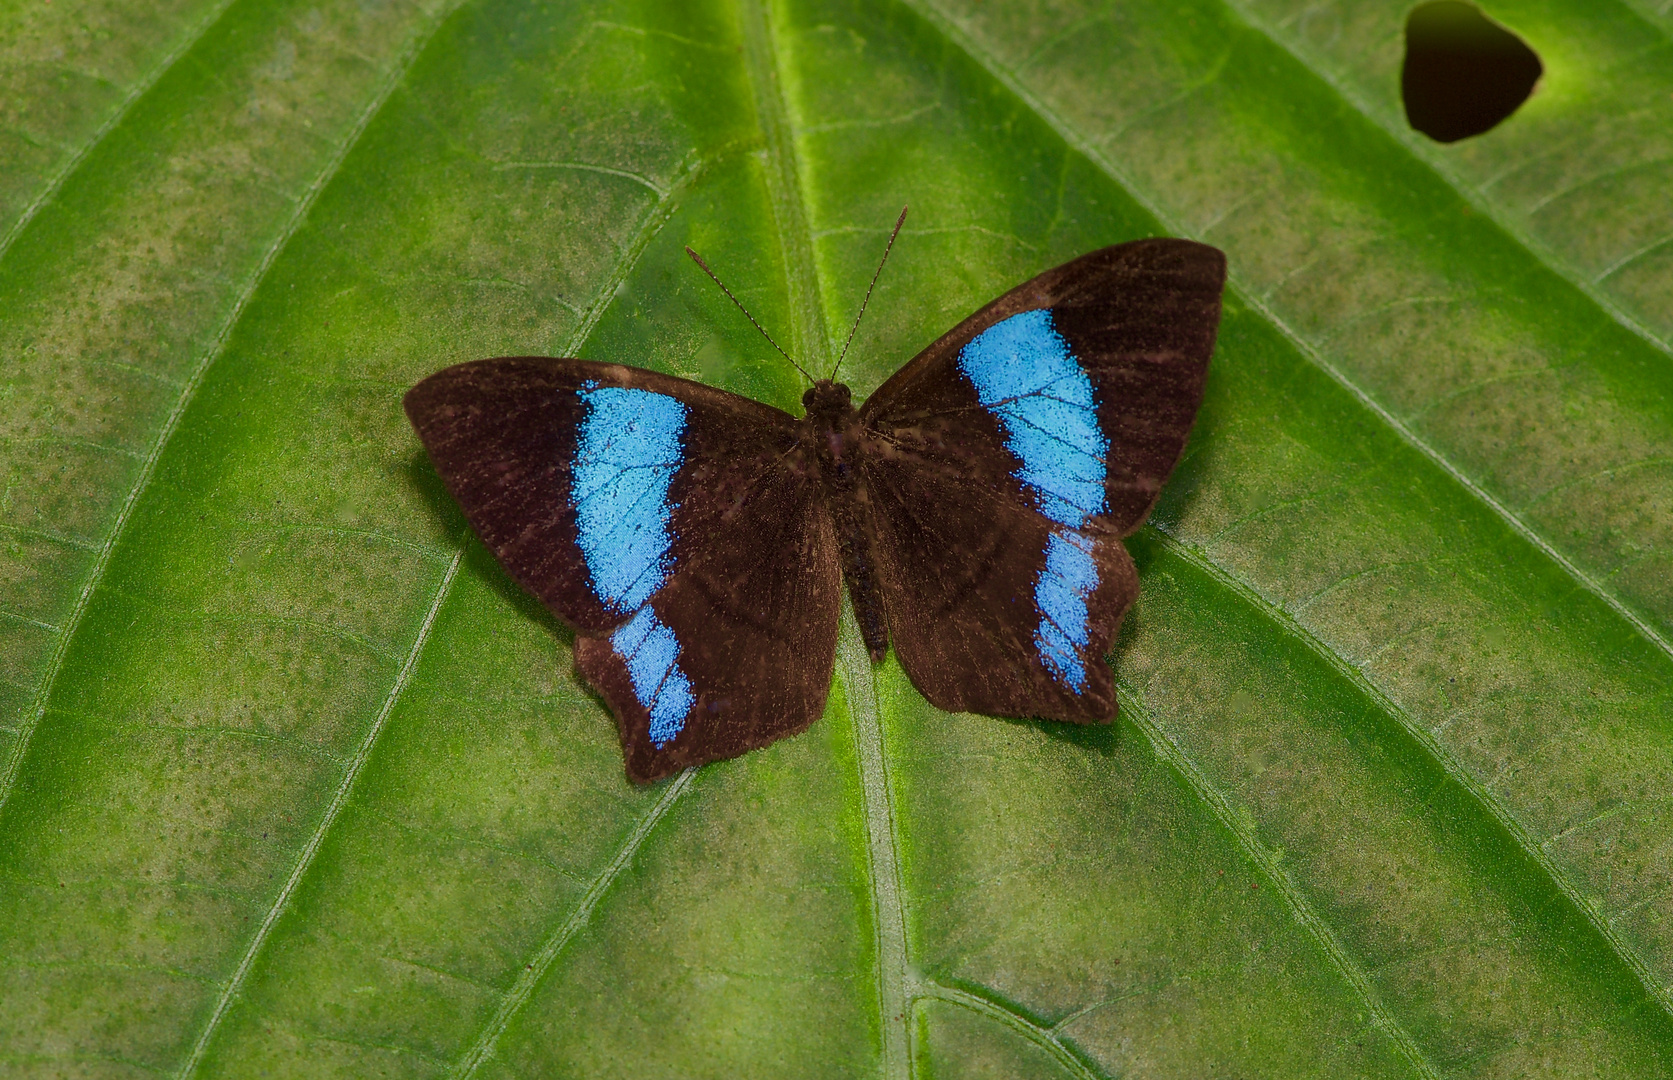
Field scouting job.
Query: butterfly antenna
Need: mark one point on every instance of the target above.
(698, 259)
(890, 247)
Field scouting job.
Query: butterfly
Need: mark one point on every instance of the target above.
(697, 540)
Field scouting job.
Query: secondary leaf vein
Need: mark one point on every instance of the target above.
(536, 968)
(148, 467)
(137, 91)
(332, 812)
(1349, 969)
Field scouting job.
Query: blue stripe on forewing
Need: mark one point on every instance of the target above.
(627, 450)
(626, 454)
(1026, 375)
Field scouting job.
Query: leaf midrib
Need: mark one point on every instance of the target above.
(900, 988)
(766, 62)
(807, 315)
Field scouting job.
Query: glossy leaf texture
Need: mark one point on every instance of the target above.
(294, 782)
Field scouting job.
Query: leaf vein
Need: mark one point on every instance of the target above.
(137, 91)
(1045, 1038)
(1069, 134)
(1382, 1016)
(188, 392)
(535, 970)
(1443, 758)
(1472, 193)
(306, 859)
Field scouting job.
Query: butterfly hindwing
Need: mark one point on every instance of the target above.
(1007, 460)
(674, 525)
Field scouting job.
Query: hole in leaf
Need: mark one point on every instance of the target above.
(1464, 73)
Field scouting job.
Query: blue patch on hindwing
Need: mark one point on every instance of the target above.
(650, 651)
(1068, 579)
(1026, 375)
(627, 450)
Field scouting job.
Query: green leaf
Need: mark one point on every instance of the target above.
(293, 781)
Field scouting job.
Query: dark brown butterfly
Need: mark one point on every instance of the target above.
(975, 503)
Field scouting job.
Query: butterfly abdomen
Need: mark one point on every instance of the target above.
(832, 427)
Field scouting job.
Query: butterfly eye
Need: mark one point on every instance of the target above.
(827, 398)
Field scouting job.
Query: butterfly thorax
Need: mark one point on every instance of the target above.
(832, 430)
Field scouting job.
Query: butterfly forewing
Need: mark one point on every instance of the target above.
(677, 527)
(1007, 460)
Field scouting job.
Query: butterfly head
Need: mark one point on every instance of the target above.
(827, 403)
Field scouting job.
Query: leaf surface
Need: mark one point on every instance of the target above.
(293, 780)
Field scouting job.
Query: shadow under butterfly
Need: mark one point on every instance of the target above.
(975, 503)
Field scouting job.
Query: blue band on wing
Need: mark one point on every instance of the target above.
(649, 649)
(1026, 375)
(1060, 594)
(626, 454)
(627, 451)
